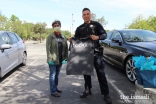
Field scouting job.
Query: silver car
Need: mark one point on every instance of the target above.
(12, 52)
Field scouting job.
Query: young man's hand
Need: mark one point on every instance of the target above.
(51, 63)
(94, 37)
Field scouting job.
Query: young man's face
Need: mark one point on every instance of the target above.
(56, 25)
(86, 15)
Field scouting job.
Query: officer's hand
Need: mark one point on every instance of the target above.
(94, 37)
(70, 39)
(51, 63)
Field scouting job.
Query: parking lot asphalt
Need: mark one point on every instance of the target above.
(30, 84)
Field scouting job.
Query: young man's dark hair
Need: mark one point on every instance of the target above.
(55, 22)
(84, 9)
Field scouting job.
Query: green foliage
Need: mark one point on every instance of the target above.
(142, 23)
(36, 37)
(49, 30)
(3, 21)
(40, 27)
(66, 33)
(107, 30)
(36, 31)
(44, 36)
(101, 20)
(14, 18)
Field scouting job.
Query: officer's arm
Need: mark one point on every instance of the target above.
(101, 32)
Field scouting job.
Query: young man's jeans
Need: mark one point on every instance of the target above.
(53, 77)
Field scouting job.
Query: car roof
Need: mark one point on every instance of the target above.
(130, 30)
(3, 31)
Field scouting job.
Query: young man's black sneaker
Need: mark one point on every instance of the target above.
(85, 94)
(59, 91)
(107, 99)
(55, 95)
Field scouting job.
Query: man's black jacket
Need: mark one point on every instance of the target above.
(93, 28)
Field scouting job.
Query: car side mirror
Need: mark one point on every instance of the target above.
(5, 46)
(115, 40)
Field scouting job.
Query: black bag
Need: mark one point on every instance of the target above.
(81, 57)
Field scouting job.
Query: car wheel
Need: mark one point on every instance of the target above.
(24, 59)
(130, 69)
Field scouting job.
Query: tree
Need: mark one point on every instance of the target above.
(29, 28)
(152, 22)
(101, 20)
(3, 22)
(66, 33)
(14, 18)
(40, 28)
(15, 24)
(142, 23)
(0, 13)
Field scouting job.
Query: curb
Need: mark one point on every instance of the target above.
(147, 95)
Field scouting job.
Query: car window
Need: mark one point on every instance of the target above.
(18, 36)
(139, 36)
(14, 38)
(4, 39)
(109, 35)
(116, 35)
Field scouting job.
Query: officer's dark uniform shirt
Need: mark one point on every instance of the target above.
(95, 28)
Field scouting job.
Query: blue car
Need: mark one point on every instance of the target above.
(121, 45)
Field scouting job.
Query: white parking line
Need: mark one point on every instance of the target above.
(118, 91)
(18, 73)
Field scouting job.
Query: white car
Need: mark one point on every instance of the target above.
(12, 52)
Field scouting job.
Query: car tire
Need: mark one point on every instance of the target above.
(130, 69)
(24, 59)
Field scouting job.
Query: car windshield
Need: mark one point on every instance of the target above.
(139, 35)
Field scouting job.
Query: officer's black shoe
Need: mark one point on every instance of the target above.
(85, 94)
(107, 99)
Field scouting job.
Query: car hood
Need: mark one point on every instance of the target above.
(145, 45)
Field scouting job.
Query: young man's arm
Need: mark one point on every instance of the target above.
(48, 45)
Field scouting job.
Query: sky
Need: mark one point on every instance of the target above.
(118, 13)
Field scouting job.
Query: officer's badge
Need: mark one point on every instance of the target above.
(91, 26)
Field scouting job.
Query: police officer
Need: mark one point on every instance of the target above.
(95, 31)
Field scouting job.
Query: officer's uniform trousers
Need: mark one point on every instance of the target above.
(101, 78)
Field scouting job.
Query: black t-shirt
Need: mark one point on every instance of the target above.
(60, 45)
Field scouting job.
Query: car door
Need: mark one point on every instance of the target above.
(105, 43)
(14, 49)
(7, 56)
(115, 49)
(21, 48)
